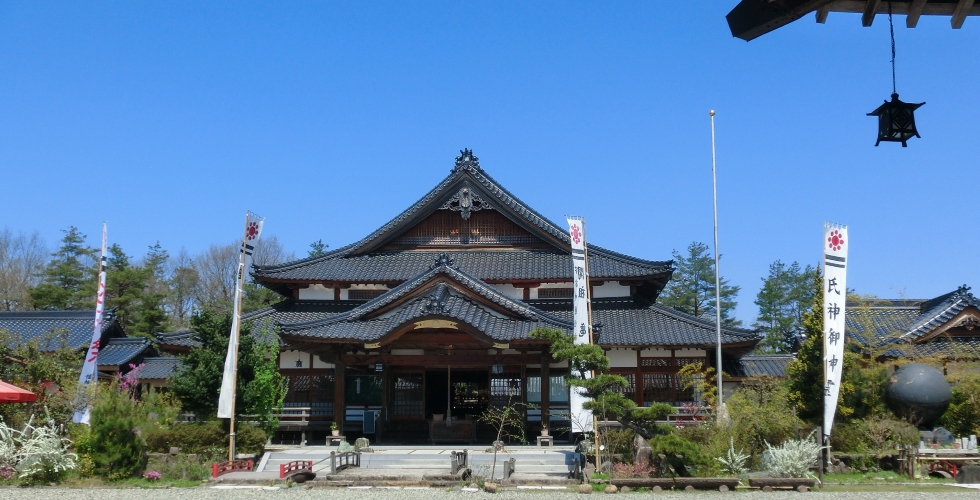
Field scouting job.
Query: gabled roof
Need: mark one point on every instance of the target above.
(913, 323)
(158, 368)
(120, 351)
(180, 340)
(442, 291)
(635, 321)
(53, 327)
(363, 261)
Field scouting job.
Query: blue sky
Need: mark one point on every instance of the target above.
(169, 120)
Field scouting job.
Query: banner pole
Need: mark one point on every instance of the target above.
(237, 334)
(714, 194)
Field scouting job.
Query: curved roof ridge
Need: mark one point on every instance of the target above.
(404, 288)
(955, 302)
(466, 164)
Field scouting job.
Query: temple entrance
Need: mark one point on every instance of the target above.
(465, 392)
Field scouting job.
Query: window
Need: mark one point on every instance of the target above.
(554, 293)
(408, 397)
(364, 294)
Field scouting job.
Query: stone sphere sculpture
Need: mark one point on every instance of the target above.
(918, 393)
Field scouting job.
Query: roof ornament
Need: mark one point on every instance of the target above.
(963, 290)
(467, 161)
(436, 303)
(465, 202)
(443, 260)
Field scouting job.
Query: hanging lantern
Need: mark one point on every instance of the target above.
(896, 121)
(497, 368)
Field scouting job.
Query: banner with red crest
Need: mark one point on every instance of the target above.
(835, 240)
(226, 398)
(580, 417)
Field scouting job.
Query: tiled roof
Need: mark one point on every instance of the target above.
(300, 311)
(488, 265)
(630, 321)
(758, 365)
(360, 262)
(903, 322)
(442, 290)
(119, 351)
(158, 368)
(51, 327)
(948, 347)
(182, 338)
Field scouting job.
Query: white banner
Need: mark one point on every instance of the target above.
(835, 241)
(581, 418)
(226, 398)
(90, 365)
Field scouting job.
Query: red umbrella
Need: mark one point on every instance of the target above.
(13, 394)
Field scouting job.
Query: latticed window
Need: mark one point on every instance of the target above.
(364, 294)
(554, 293)
(655, 362)
(407, 395)
(444, 227)
(310, 391)
(505, 390)
(667, 388)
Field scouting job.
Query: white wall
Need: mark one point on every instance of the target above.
(621, 358)
(509, 290)
(316, 292)
(656, 353)
(610, 289)
(689, 353)
(287, 359)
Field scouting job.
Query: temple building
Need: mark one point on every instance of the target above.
(427, 319)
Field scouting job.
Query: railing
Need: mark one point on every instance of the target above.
(296, 466)
(222, 468)
(341, 461)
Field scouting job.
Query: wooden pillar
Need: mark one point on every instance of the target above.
(340, 384)
(545, 386)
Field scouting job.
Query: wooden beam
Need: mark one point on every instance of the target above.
(915, 10)
(822, 14)
(754, 18)
(870, 9)
(960, 12)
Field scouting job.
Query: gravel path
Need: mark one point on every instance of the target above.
(419, 494)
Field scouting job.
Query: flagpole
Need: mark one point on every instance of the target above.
(714, 193)
(588, 298)
(237, 333)
(89, 372)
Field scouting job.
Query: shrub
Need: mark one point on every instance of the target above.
(734, 462)
(208, 438)
(186, 468)
(793, 458)
(680, 455)
(620, 442)
(41, 452)
(117, 448)
(623, 470)
(761, 414)
(963, 416)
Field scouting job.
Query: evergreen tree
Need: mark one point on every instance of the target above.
(861, 387)
(785, 295)
(805, 373)
(117, 448)
(137, 292)
(318, 248)
(197, 382)
(69, 280)
(692, 288)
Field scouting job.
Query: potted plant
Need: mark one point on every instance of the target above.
(334, 431)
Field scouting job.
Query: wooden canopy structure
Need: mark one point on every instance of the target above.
(753, 18)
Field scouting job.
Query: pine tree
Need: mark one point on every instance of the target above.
(69, 280)
(117, 447)
(784, 296)
(692, 287)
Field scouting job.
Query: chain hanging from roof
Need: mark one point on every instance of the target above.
(896, 119)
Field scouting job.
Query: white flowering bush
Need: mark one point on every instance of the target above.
(793, 458)
(38, 454)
